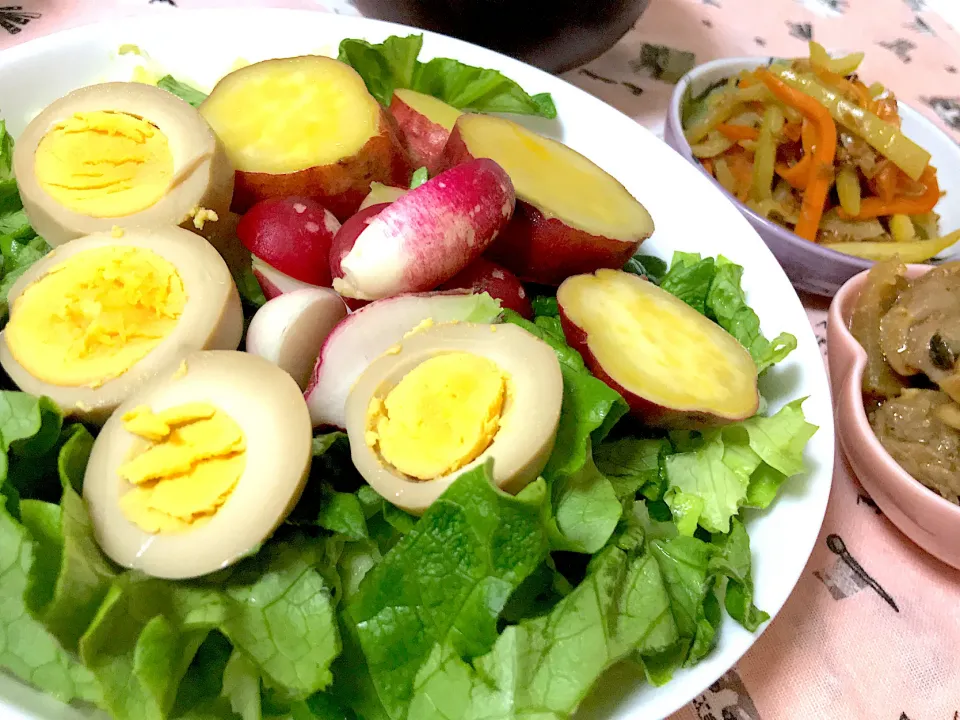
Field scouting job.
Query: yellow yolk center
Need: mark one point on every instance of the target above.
(442, 415)
(104, 164)
(196, 457)
(94, 316)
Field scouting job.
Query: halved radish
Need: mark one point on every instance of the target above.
(428, 235)
(347, 236)
(372, 331)
(484, 276)
(290, 329)
(274, 283)
(673, 366)
(572, 217)
(293, 235)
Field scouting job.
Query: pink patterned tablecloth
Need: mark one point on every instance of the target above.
(873, 628)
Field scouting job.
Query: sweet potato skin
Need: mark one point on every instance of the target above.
(648, 412)
(548, 251)
(540, 249)
(422, 138)
(339, 187)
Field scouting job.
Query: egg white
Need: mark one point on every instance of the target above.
(269, 408)
(212, 317)
(528, 423)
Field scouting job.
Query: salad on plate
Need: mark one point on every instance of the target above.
(476, 449)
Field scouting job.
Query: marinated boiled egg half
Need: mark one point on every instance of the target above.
(199, 467)
(97, 317)
(120, 154)
(449, 398)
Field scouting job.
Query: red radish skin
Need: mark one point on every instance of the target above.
(274, 283)
(430, 234)
(547, 251)
(650, 412)
(484, 276)
(425, 124)
(347, 235)
(293, 235)
(367, 334)
(290, 329)
(343, 241)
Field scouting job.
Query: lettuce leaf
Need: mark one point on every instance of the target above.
(6, 153)
(185, 92)
(684, 564)
(734, 562)
(727, 305)
(19, 245)
(27, 649)
(544, 667)
(713, 288)
(67, 602)
(647, 266)
(393, 64)
(444, 584)
(634, 465)
(275, 608)
(585, 505)
(720, 469)
(586, 509)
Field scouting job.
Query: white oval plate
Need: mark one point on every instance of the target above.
(689, 212)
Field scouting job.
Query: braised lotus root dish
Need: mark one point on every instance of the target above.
(910, 330)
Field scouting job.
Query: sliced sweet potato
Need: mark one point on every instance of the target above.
(304, 126)
(673, 366)
(425, 124)
(572, 217)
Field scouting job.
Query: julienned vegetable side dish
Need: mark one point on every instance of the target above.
(806, 144)
(424, 490)
(910, 330)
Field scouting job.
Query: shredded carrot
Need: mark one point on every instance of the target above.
(875, 207)
(845, 86)
(797, 174)
(820, 176)
(885, 107)
(791, 131)
(741, 166)
(808, 136)
(707, 165)
(738, 132)
(884, 182)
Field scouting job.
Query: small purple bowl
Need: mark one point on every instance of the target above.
(811, 267)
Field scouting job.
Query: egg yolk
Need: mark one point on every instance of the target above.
(104, 164)
(95, 315)
(195, 458)
(441, 415)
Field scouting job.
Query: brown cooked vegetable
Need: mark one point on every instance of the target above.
(885, 282)
(928, 308)
(912, 429)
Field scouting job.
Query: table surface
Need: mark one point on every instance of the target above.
(872, 629)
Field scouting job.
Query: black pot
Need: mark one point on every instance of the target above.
(555, 35)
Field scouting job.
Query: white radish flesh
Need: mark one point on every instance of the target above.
(290, 329)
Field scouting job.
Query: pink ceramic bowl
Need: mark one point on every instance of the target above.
(921, 514)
